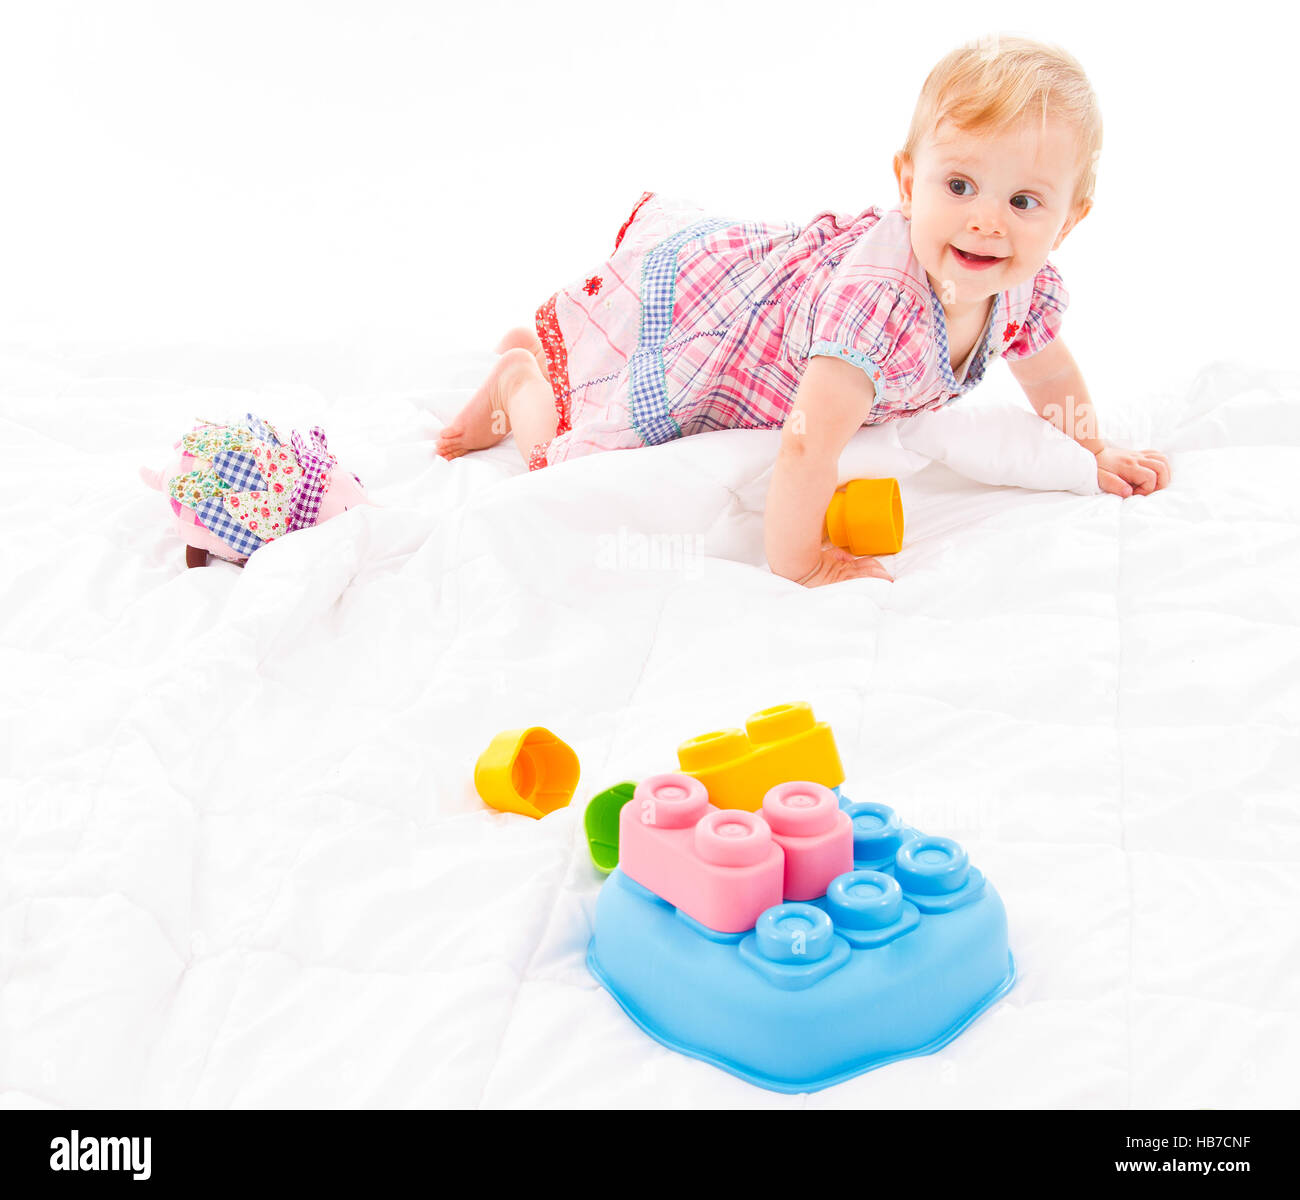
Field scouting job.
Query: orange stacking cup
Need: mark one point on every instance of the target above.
(866, 517)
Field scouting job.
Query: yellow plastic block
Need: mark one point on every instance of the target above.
(866, 517)
(527, 771)
(778, 745)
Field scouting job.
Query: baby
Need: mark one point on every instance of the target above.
(697, 323)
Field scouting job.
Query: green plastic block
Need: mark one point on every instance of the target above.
(601, 825)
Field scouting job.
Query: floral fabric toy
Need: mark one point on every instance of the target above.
(236, 487)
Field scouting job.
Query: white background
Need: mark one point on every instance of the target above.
(334, 193)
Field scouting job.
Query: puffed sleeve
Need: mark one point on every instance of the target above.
(865, 316)
(1046, 311)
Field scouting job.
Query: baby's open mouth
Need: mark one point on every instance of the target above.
(976, 258)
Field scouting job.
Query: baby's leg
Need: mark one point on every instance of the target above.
(516, 396)
(526, 338)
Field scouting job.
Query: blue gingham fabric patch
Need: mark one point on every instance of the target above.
(261, 430)
(649, 393)
(979, 360)
(212, 512)
(239, 469)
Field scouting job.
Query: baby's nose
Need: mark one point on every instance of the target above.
(986, 225)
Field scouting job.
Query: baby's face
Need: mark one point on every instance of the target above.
(1007, 196)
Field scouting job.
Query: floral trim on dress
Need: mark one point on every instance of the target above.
(557, 362)
(618, 241)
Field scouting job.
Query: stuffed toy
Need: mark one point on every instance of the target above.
(236, 487)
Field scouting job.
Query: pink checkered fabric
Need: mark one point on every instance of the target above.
(697, 323)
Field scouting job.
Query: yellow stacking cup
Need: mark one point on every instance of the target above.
(866, 517)
(527, 771)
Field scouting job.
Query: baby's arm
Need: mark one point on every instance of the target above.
(833, 401)
(1054, 387)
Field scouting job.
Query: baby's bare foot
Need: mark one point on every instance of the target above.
(484, 421)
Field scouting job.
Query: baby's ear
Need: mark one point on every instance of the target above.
(1080, 211)
(903, 165)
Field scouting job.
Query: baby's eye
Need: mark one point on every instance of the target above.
(961, 183)
(1033, 202)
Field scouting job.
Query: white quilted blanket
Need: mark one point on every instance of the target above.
(242, 862)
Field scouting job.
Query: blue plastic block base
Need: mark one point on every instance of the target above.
(828, 1002)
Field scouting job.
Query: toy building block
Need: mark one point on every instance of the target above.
(886, 964)
(794, 946)
(866, 517)
(936, 875)
(877, 833)
(814, 832)
(526, 771)
(600, 822)
(869, 909)
(778, 744)
(720, 867)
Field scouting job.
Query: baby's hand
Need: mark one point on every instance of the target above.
(1129, 472)
(836, 565)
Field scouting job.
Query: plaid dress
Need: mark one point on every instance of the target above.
(697, 323)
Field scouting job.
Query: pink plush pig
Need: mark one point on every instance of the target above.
(237, 486)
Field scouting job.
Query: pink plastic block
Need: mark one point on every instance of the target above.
(718, 865)
(816, 834)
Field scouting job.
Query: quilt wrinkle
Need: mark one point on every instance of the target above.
(220, 1027)
(522, 978)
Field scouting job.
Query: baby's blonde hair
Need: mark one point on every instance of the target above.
(994, 83)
